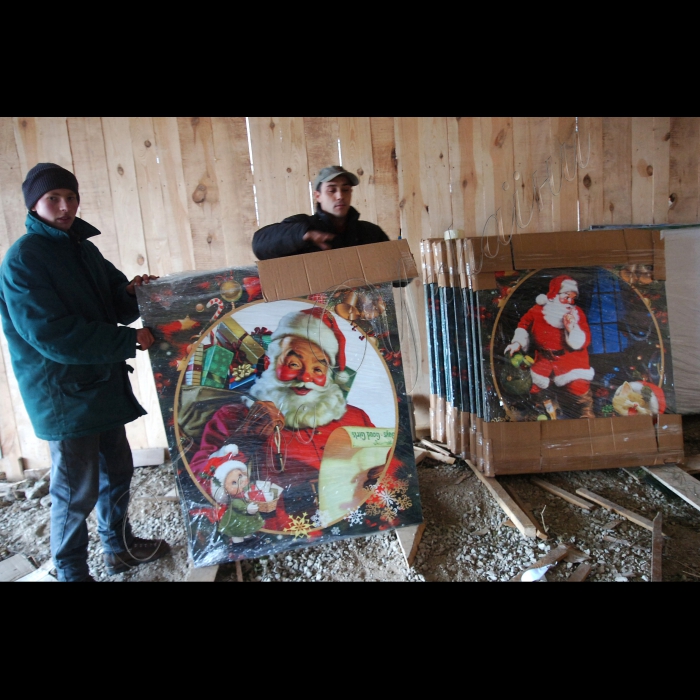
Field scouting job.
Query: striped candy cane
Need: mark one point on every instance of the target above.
(219, 310)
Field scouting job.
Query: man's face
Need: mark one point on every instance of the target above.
(568, 298)
(57, 208)
(302, 362)
(335, 196)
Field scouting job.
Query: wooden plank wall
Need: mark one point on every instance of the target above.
(179, 193)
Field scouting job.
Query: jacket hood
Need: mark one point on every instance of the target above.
(80, 227)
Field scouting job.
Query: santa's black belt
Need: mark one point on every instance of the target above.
(549, 354)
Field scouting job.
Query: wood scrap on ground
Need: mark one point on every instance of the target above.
(678, 481)
(419, 454)
(435, 448)
(204, 574)
(540, 530)
(512, 509)
(552, 557)
(624, 512)
(562, 493)
(657, 544)
(239, 571)
(581, 573)
(409, 539)
(692, 465)
(15, 567)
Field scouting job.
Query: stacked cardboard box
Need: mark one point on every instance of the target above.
(489, 400)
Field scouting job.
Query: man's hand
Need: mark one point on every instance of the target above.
(319, 239)
(144, 338)
(512, 348)
(138, 281)
(262, 419)
(569, 321)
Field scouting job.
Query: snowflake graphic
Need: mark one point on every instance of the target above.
(321, 518)
(388, 498)
(335, 531)
(354, 517)
(299, 526)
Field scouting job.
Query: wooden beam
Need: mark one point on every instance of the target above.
(678, 481)
(657, 545)
(552, 557)
(15, 567)
(203, 574)
(239, 571)
(409, 539)
(512, 509)
(541, 533)
(557, 491)
(630, 515)
(581, 572)
(150, 456)
(435, 448)
(419, 454)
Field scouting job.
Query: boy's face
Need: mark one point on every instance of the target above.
(235, 482)
(335, 196)
(57, 208)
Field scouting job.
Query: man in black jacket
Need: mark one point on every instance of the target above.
(334, 225)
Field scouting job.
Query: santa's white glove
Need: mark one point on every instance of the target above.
(512, 348)
(253, 508)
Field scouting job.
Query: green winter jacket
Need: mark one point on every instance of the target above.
(61, 303)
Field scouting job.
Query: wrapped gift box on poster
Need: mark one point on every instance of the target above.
(259, 389)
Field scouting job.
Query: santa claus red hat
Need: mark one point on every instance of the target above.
(318, 326)
(558, 285)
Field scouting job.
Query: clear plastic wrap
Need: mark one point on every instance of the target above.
(287, 421)
(570, 349)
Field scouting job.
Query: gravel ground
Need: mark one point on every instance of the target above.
(467, 536)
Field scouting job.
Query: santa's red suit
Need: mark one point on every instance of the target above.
(291, 456)
(561, 355)
(301, 451)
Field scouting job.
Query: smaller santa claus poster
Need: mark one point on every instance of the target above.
(581, 342)
(287, 421)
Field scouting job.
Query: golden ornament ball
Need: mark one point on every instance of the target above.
(231, 291)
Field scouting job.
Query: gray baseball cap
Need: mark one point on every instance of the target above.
(333, 171)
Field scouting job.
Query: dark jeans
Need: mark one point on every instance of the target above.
(89, 472)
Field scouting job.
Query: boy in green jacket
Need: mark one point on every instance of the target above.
(64, 311)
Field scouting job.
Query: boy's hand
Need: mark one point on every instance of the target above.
(319, 239)
(138, 281)
(144, 338)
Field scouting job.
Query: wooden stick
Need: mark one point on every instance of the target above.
(419, 454)
(512, 509)
(657, 543)
(557, 491)
(679, 481)
(239, 571)
(531, 517)
(435, 448)
(409, 539)
(630, 515)
(440, 457)
(581, 573)
(552, 557)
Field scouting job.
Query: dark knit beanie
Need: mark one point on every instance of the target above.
(44, 177)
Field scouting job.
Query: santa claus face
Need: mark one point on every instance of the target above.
(567, 298)
(235, 482)
(303, 363)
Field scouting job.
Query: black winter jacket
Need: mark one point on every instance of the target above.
(286, 237)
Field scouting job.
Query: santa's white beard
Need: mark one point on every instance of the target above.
(320, 406)
(554, 312)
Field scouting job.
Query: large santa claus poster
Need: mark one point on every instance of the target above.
(287, 421)
(580, 342)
